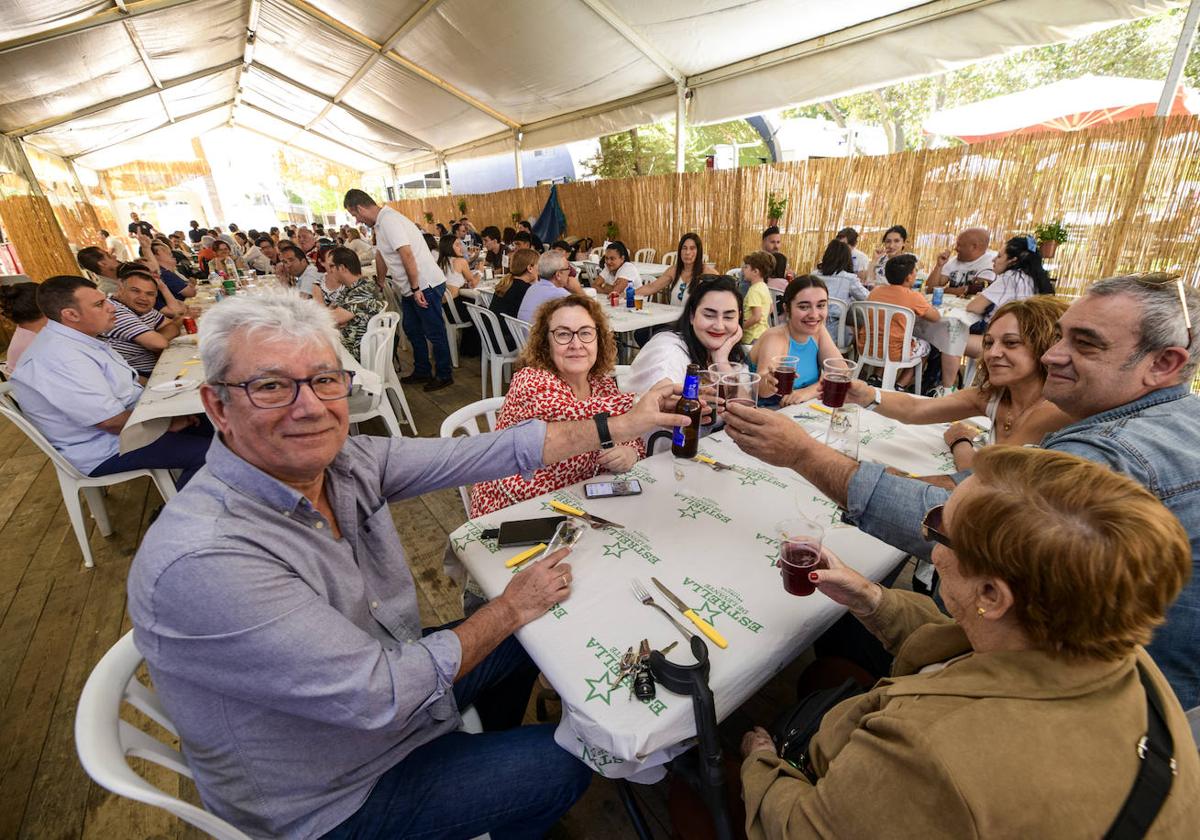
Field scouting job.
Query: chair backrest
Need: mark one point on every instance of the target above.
(452, 316)
(104, 741)
(668, 257)
(873, 326)
(485, 297)
(595, 254)
(774, 317)
(10, 409)
(519, 330)
(644, 255)
(488, 325)
(466, 420)
(377, 345)
(837, 314)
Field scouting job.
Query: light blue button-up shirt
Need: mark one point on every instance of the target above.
(540, 292)
(66, 383)
(293, 663)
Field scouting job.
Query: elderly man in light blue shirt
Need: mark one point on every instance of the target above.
(554, 281)
(279, 619)
(79, 392)
(1126, 353)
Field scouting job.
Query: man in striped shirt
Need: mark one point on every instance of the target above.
(140, 332)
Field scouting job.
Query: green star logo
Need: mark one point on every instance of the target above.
(600, 689)
(750, 478)
(460, 542)
(689, 512)
(709, 613)
(615, 550)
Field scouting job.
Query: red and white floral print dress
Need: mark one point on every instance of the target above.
(540, 394)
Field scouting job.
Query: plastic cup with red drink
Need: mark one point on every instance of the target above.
(801, 543)
(837, 375)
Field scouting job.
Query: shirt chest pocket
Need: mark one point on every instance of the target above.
(388, 583)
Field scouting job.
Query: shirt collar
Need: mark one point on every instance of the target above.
(1162, 395)
(234, 470)
(74, 335)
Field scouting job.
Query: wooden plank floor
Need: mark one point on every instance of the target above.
(57, 619)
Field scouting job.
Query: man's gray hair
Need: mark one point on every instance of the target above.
(280, 314)
(1162, 321)
(550, 263)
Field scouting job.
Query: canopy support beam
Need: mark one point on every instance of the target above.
(1187, 37)
(163, 124)
(680, 125)
(631, 35)
(247, 57)
(34, 128)
(126, 10)
(35, 186)
(315, 133)
(391, 55)
(517, 135)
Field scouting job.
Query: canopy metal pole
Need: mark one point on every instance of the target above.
(517, 158)
(1187, 37)
(444, 174)
(22, 160)
(681, 124)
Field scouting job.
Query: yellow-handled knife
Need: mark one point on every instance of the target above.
(690, 614)
(594, 521)
(527, 554)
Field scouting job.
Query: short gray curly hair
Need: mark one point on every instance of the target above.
(283, 314)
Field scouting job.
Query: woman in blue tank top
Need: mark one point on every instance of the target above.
(805, 304)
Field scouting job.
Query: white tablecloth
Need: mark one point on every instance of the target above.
(711, 539)
(950, 333)
(649, 271)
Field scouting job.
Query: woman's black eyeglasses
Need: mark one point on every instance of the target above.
(281, 391)
(564, 336)
(932, 529)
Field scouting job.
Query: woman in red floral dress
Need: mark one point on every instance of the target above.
(567, 376)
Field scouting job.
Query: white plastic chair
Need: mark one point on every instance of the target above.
(496, 351)
(595, 254)
(375, 352)
(104, 741)
(644, 255)
(773, 317)
(876, 321)
(455, 324)
(466, 420)
(71, 480)
(837, 311)
(668, 258)
(485, 298)
(621, 374)
(519, 330)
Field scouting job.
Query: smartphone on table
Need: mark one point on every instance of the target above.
(608, 489)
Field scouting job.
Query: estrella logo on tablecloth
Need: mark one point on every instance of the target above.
(693, 506)
(640, 473)
(868, 435)
(564, 497)
(635, 541)
(945, 460)
(720, 601)
(753, 475)
(597, 757)
(601, 688)
(469, 533)
(772, 543)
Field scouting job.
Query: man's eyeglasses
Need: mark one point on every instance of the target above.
(932, 529)
(282, 391)
(564, 336)
(1159, 280)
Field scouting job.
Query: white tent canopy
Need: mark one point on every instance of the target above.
(409, 83)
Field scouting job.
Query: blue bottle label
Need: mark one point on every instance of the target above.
(937, 296)
(677, 436)
(691, 387)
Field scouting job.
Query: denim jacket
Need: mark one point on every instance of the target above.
(1154, 439)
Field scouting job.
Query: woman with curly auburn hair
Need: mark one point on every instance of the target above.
(567, 375)
(1033, 708)
(1007, 390)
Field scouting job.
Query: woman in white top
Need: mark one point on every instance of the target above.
(837, 270)
(454, 266)
(1019, 274)
(895, 243)
(708, 332)
(1008, 389)
(618, 271)
(360, 246)
(689, 265)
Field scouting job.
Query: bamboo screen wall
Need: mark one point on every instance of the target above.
(1129, 194)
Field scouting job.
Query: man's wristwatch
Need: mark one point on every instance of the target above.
(874, 403)
(606, 441)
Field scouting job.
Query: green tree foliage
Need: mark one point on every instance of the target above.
(650, 149)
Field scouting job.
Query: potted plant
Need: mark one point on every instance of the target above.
(776, 207)
(611, 231)
(1049, 237)
(428, 218)
(516, 218)
(462, 206)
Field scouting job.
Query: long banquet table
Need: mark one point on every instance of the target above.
(711, 539)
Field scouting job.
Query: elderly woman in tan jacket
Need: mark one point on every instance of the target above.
(1021, 717)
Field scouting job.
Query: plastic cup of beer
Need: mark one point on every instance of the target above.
(638, 302)
(710, 381)
(837, 374)
(784, 370)
(740, 388)
(801, 544)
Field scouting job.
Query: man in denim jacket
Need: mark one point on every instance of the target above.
(1123, 365)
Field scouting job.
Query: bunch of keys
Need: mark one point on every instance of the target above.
(636, 666)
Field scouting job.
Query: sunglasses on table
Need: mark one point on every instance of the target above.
(932, 529)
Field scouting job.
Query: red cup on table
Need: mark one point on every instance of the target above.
(837, 375)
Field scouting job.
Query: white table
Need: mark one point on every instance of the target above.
(487, 286)
(950, 333)
(154, 411)
(711, 540)
(649, 271)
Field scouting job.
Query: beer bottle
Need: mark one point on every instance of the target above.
(685, 440)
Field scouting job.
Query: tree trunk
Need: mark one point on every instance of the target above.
(636, 146)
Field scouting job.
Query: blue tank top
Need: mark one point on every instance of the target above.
(807, 370)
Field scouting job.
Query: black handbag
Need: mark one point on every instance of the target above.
(1156, 773)
(792, 730)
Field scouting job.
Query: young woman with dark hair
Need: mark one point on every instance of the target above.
(893, 244)
(802, 335)
(1019, 274)
(688, 266)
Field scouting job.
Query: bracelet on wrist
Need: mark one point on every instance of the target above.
(962, 440)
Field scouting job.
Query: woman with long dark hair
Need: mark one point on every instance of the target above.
(688, 266)
(1019, 274)
(836, 268)
(618, 271)
(708, 332)
(454, 265)
(893, 244)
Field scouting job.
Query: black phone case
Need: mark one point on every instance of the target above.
(528, 531)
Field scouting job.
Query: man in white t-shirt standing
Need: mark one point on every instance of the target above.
(400, 249)
(971, 263)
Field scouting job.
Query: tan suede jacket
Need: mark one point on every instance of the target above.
(995, 745)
